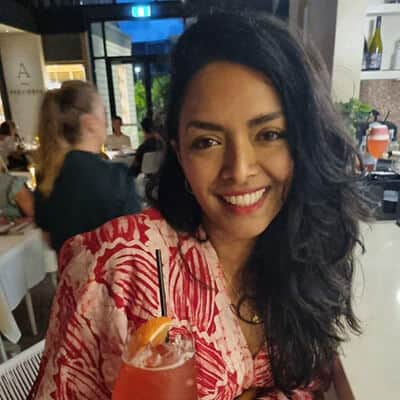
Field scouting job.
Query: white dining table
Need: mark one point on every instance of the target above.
(371, 361)
(124, 157)
(24, 261)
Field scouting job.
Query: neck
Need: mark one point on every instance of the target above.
(232, 253)
(88, 146)
(117, 133)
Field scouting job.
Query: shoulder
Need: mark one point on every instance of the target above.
(91, 164)
(116, 263)
(80, 161)
(11, 184)
(132, 234)
(108, 286)
(17, 183)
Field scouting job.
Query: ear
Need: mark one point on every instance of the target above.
(87, 122)
(175, 146)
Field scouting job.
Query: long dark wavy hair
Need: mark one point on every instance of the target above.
(299, 275)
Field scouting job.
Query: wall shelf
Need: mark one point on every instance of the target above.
(383, 74)
(384, 9)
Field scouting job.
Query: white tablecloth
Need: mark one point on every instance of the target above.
(24, 174)
(124, 159)
(22, 266)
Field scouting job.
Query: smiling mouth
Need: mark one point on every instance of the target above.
(245, 200)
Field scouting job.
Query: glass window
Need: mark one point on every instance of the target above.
(97, 39)
(160, 78)
(128, 97)
(58, 73)
(152, 30)
(118, 43)
(102, 86)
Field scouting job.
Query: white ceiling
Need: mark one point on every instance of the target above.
(9, 29)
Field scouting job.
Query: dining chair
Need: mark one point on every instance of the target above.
(18, 374)
(151, 162)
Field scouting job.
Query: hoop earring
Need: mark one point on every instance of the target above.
(188, 188)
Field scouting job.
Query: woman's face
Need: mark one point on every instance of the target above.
(233, 150)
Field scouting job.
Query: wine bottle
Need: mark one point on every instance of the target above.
(376, 47)
(365, 56)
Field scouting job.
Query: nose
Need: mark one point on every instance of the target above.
(240, 161)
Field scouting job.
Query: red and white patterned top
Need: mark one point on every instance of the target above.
(109, 286)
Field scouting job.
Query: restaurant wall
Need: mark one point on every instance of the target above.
(336, 28)
(384, 96)
(24, 74)
(348, 49)
(62, 47)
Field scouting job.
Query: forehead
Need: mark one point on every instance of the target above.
(223, 87)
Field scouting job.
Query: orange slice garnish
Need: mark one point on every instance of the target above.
(153, 331)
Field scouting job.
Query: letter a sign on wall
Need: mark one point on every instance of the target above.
(23, 74)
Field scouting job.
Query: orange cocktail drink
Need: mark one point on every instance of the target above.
(378, 140)
(158, 370)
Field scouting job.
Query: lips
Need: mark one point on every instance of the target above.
(248, 199)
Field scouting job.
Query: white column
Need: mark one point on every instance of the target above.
(336, 28)
(24, 74)
(348, 51)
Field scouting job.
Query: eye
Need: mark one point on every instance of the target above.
(204, 143)
(270, 135)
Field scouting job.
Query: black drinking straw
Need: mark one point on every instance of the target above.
(161, 283)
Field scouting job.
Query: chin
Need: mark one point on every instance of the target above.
(246, 231)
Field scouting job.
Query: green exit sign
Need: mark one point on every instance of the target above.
(141, 11)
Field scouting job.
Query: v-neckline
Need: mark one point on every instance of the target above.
(219, 278)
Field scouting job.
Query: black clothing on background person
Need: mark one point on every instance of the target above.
(149, 145)
(87, 193)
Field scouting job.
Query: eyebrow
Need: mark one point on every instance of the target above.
(262, 119)
(210, 126)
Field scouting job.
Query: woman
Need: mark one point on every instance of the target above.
(152, 143)
(256, 218)
(16, 199)
(8, 133)
(77, 190)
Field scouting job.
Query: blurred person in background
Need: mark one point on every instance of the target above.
(117, 140)
(16, 200)
(77, 190)
(8, 139)
(152, 142)
(11, 149)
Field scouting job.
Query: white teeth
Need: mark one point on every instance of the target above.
(245, 200)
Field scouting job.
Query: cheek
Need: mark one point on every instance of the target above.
(284, 177)
(279, 167)
(200, 174)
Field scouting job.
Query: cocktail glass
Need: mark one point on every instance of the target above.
(158, 371)
(378, 140)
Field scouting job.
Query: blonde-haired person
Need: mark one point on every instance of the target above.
(77, 190)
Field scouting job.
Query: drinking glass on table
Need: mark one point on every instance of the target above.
(158, 363)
